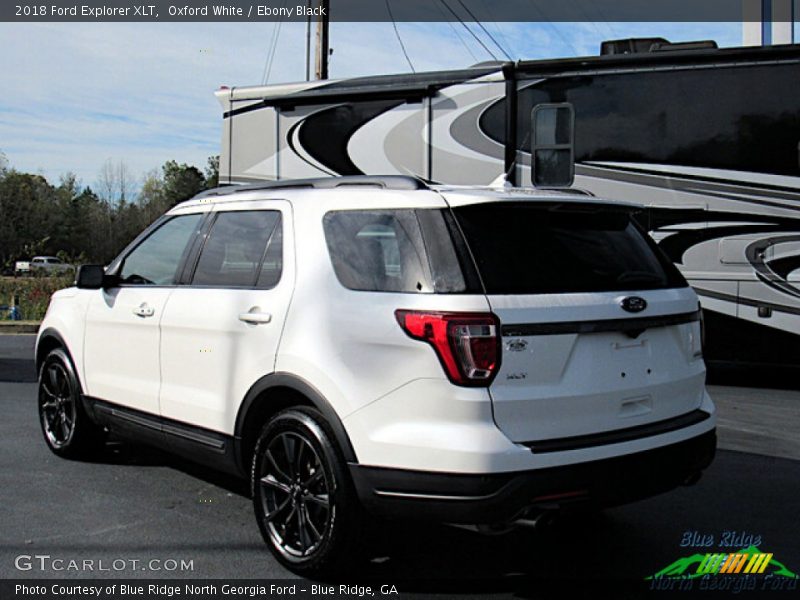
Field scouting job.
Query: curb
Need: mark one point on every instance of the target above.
(16, 327)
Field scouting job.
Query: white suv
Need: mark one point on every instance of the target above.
(379, 346)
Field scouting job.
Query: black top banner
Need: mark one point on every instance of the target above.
(401, 10)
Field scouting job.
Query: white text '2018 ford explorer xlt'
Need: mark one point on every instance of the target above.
(380, 346)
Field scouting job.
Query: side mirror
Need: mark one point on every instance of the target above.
(90, 277)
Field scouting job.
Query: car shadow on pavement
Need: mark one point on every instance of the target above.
(434, 558)
(124, 453)
(549, 561)
(753, 376)
(597, 554)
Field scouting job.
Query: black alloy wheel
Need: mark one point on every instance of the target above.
(67, 429)
(304, 502)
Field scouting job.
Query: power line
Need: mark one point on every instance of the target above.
(497, 28)
(269, 51)
(605, 21)
(472, 33)
(273, 46)
(274, 50)
(399, 39)
(458, 35)
(555, 29)
(486, 31)
(588, 19)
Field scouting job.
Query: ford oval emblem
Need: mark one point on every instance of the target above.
(633, 304)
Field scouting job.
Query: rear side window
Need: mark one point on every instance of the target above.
(535, 248)
(393, 251)
(243, 249)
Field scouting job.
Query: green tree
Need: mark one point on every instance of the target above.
(79, 225)
(71, 230)
(181, 182)
(27, 215)
(212, 172)
(152, 197)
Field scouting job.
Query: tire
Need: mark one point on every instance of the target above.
(304, 501)
(68, 431)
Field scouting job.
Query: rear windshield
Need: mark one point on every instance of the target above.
(536, 248)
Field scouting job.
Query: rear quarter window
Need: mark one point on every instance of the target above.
(405, 250)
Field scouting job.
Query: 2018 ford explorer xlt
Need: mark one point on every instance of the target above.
(377, 345)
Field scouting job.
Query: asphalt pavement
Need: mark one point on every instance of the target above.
(133, 504)
(16, 358)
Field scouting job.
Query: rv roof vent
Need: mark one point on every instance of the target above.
(656, 44)
(676, 46)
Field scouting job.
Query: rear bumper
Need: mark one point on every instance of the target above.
(501, 497)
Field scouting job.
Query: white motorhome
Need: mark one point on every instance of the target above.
(708, 139)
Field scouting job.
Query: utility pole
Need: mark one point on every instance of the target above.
(308, 41)
(767, 22)
(323, 20)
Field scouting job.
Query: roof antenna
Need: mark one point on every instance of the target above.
(501, 181)
(409, 173)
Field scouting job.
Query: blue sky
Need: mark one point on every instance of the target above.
(79, 94)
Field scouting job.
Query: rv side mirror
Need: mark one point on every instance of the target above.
(90, 277)
(552, 145)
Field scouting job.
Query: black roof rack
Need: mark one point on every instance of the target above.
(387, 182)
(567, 190)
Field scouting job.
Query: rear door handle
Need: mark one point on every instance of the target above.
(144, 310)
(255, 316)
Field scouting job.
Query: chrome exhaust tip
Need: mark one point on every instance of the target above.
(537, 520)
(532, 519)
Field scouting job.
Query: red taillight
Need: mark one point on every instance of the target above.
(467, 344)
